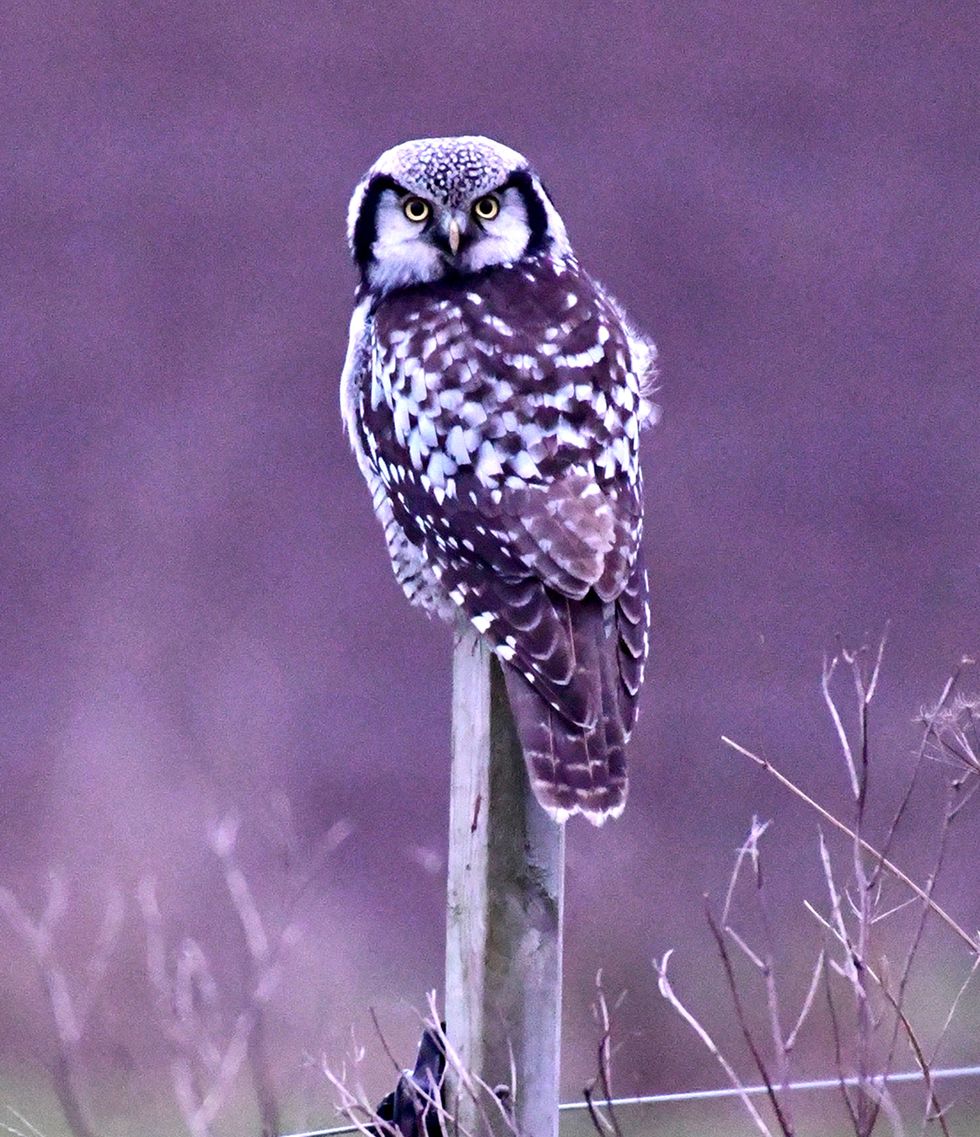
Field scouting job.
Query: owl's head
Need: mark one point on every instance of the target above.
(439, 207)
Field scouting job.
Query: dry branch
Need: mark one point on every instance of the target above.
(69, 1013)
(972, 942)
(208, 1055)
(489, 1109)
(866, 1026)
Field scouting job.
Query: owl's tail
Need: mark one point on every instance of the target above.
(574, 769)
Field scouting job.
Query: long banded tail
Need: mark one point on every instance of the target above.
(577, 768)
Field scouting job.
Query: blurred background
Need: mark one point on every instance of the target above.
(197, 616)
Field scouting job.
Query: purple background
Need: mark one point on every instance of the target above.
(196, 611)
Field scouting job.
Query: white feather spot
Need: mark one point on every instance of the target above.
(456, 444)
(521, 361)
(402, 419)
(419, 389)
(499, 325)
(567, 435)
(451, 398)
(488, 464)
(440, 467)
(416, 449)
(482, 621)
(474, 414)
(427, 431)
(530, 434)
(524, 466)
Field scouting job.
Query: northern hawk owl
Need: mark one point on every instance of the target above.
(494, 395)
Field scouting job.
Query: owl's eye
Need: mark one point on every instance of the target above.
(415, 209)
(486, 208)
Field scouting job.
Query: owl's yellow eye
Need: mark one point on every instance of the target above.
(416, 209)
(486, 208)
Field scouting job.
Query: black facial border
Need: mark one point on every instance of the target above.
(537, 215)
(366, 225)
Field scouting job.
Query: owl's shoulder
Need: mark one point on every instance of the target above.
(540, 300)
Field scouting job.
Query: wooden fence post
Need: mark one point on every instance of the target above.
(504, 922)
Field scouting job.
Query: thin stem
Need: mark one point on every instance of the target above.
(743, 1023)
(668, 993)
(841, 827)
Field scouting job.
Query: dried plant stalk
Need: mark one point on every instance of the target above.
(69, 1013)
(867, 1015)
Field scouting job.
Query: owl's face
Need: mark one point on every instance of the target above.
(439, 207)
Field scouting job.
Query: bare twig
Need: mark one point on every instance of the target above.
(353, 1104)
(765, 961)
(856, 910)
(826, 676)
(835, 1034)
(208, 1058)
(604, 1068)
(895, 1002)
(954, 1007)
(785, 1124)
(765, 764)
(668, 993)
(910, 1033)
(898, 999)
(749, 849)
(886, 1103)
(69, 1013)
(384, 1042)
(493, 1104)
(807, 1002)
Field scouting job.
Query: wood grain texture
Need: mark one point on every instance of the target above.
(504, 920)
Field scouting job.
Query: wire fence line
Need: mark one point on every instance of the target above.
(721, 1092)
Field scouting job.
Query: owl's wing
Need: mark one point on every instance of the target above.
(521, 568)
(526, 571)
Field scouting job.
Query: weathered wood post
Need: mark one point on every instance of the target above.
(504, 923)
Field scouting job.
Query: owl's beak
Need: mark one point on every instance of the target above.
(450, 235)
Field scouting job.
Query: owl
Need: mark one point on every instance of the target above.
(494, 394)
